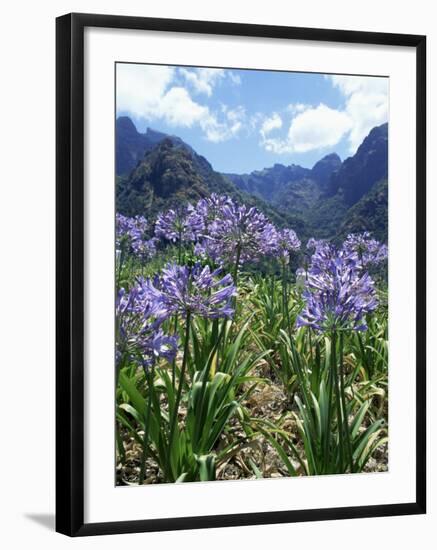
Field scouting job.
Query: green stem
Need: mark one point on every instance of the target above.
(272, 285)
(328, 422)
(180, 248)
(234, 299)
(296, 362)
(337, 394)
(173, 364)
(300, 374)
(285, 312)
(237, 263)
(310, 344)
(149, 376)
(343, 404)
(179, 393)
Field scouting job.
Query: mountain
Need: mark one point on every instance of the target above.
(291, 189)
(352, 193)
(324, 170)
(271, 184)
(369, 213)
(332, 195)
(171, 174)
(130, 145)
(369, 165)
(268, 183)
(157, 171)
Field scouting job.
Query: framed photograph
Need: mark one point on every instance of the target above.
(240, 274)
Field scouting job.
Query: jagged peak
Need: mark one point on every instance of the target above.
(330, 157)
(125, 123)
(375, 134)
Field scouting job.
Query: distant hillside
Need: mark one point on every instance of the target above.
(131, 144)
(291, 189)
(369, 213)
(324, 170)
(173, 174)
(156, 171)
(271, 184)
(325, 195)
(369, 165)
(354, 183)
(268, 183)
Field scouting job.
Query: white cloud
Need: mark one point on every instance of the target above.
(236, 118)
(295, 108)
(366, 84)
(313, 128)
(178, 109)
(141, 87)
(276, 145)
(254, 121)
(366, 106)
(234, 78)
(269, 124)
(215, 131)
(231, 125)
(366, 103)
(202, 80)
(150, 92)
(317, 128)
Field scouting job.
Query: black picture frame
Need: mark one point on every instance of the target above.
(70, 273)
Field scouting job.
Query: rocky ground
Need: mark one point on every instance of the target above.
(257, 457)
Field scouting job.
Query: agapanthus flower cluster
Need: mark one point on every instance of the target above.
(128, 229)
(369, 250)
(139, 336)
(325, 253)
(315, 244)
(183, 224)
(131, 235)
(193, 290)
(144, 249)
(122, 228)
(281, 243)
(238, 233)
(337, 294)
(210, 208)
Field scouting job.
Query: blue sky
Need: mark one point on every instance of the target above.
(244, 120)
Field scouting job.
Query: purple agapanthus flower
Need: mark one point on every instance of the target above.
(238, 233)
(269, 240)
(211, 207)
(369, 250)
(337, 294)
(313, 243)
(325, 253)
(131, 236)
(179, 225)
(195, 290)
(206, 247)
(144, 249)
(129, 229)
(382, 254)
(281, 243)
(123, 226)
(138, 227)
(139, 336)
